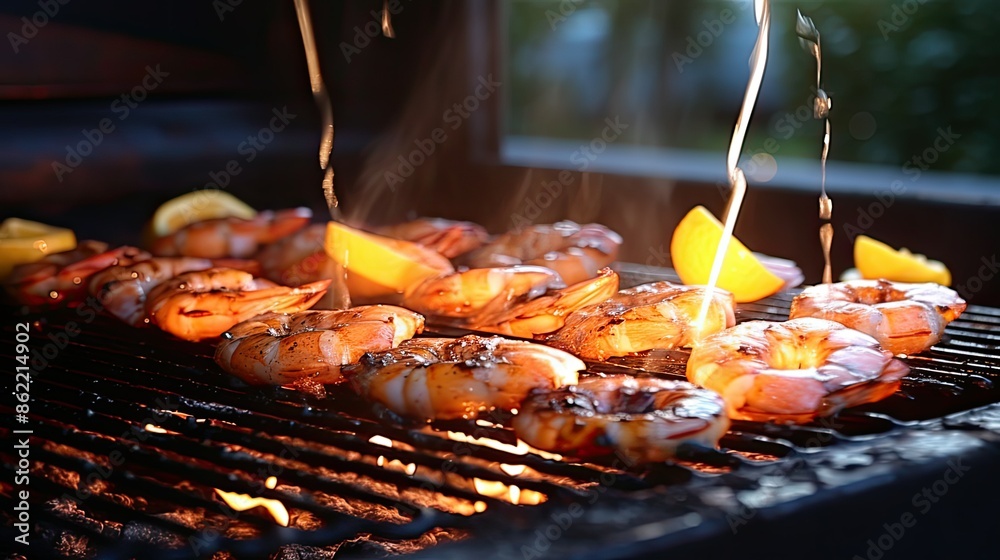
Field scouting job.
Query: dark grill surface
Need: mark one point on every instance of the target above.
(132, 431)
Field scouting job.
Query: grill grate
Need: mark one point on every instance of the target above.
(131, 427)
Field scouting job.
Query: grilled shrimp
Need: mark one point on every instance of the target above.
(448, 237)
(298, 259)
(521, 301)
(205, 303)
(122, 289)
(443, 378)
(656, 316)
(62, 277)
(480, 293)
(577, 252)
(904, 318)
(278, 349)
(231, 237)
(795, 370)
(644, 419)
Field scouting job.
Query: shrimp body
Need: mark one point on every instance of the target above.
(231, 237)
(449, 237)
(63, 277)
(443, 378)
(643, 419)
(204, 304)
(521, 301)
(548, 312)
(795, 370)
(299, 258)
(123, 289)
(904, 318)
(480, 293)
(577, 252)
(656, 316)
(278, 349)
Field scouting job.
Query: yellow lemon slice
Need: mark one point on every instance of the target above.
(693, 248)
(196, 206)
(875, 259)
(378, 267)
(24, 241)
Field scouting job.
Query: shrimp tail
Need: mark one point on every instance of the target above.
(280, 299)
(196, 319)
(547, 313)
(877, 389)
(284, 223)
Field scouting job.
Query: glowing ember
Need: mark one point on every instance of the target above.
(513, 494)
(157, 429)
(499, 490)
(520, 449)
(512, 470)
(408, 468)
(243, 502)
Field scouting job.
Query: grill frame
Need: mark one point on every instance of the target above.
(636, 512)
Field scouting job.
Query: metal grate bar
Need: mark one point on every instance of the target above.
(115, 379)
(222, 434)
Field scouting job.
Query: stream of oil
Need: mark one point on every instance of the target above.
(338, 296)
(822, 110)
(809, 39)
(737, 180)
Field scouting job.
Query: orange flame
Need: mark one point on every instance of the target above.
(494, 489)
(243, 502)
(408, 468)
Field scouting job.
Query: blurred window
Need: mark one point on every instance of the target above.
(655, 88)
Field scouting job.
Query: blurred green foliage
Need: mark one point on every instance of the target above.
(897, 72)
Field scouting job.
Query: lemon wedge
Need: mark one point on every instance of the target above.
(875, 259)
(25, 241)
(692, 250)
(196, 206)
(381, 268)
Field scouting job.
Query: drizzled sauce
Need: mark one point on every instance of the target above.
(738, 182)
(341, 298)
(809, 39)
